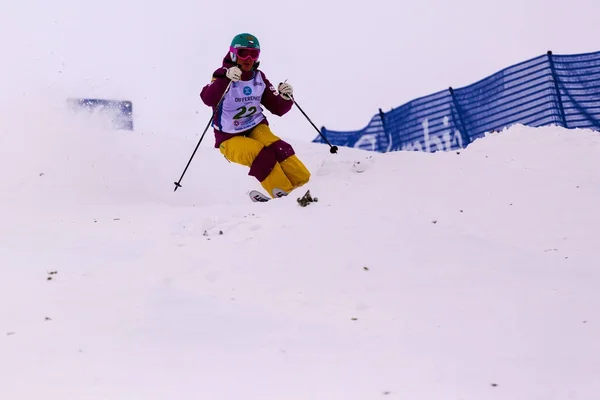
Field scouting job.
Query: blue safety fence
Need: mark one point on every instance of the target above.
(550, 89)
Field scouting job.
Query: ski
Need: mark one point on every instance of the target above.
(258, 197)
(303, 201)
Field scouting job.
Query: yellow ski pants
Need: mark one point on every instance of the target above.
(272, 161)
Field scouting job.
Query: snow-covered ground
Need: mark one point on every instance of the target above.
(471, 275)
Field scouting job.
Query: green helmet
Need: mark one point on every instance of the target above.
(243, 40)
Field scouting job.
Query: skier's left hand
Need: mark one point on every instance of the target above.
(285, 90)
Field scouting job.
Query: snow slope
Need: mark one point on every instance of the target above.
(422, 276)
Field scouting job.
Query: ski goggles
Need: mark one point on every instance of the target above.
(245, 53)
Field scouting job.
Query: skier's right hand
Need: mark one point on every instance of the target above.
(234, 73)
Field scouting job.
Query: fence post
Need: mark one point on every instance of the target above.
(463, 129)
(558, 95)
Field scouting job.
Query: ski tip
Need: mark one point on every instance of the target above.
(258, 197)
(279, 193)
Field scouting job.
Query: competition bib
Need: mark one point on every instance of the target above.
(240, 109)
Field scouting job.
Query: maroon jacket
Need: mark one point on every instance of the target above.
(211, 95)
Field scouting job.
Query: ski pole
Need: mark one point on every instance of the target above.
(332, 149)
(178, 183)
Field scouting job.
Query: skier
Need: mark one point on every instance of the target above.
(242, 132)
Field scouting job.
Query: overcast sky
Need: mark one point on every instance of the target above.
(344, 59)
